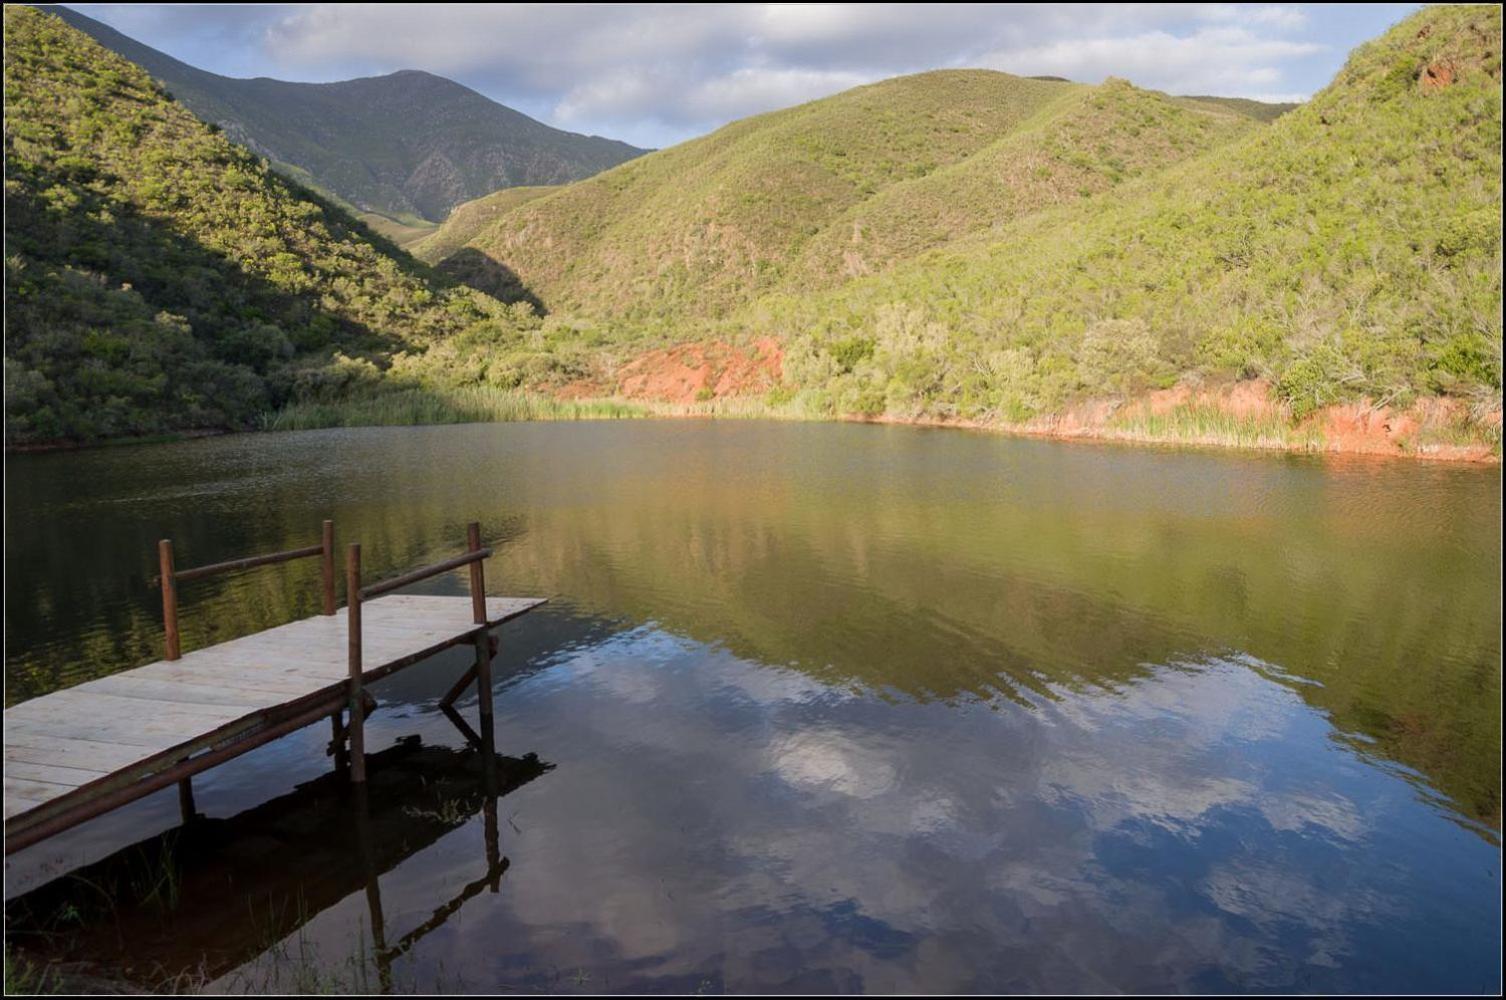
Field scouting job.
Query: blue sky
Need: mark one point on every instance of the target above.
(655, 75)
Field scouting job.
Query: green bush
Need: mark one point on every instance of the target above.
(1313, 381)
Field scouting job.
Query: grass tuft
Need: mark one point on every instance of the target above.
(1194, 423)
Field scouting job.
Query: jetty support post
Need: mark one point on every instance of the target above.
(483, 638)
(169, 599)
(327, 579)
(185, 799)
(356, 728)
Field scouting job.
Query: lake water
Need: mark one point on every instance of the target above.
(812, 708)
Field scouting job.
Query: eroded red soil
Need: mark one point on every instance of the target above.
(694, 373)
(687, 374)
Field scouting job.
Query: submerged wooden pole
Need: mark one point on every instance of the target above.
(484, 681)
(357, 725)
(327, 565)
(337, 742)
(185, 799)
(169, 598)
(483, 639)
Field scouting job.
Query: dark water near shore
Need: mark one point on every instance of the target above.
(829, 708)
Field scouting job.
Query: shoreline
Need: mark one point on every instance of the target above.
(1449, 454)
(1067, 427)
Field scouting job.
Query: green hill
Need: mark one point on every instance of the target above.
(708, 224)
(979, 246)
(406, 144)
(1351, 248)
(830, 190)
(1083, 143)
(159, 277)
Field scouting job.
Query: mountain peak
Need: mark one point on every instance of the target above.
(375, 142)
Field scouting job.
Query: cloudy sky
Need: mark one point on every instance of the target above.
(655, 75)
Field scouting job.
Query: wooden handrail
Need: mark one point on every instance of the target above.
(423, 573)
(168, 578)
(250, 561)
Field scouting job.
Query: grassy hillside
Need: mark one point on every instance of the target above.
(979, 246)
(1353, 247)
(834, 189)
(1086, 141)
(466, 221)
(160, 277)
(409, 143)
(707, 225)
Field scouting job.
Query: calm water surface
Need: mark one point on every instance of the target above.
(830, 708)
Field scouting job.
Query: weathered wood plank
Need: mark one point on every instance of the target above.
(15, 804)
(54, 773)
(181, 691)
(36, 748)
(32, 791)
(149, 735)
(110, 707)
(222, 676)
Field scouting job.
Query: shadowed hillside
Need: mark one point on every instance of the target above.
(409, 145)
(160, 277)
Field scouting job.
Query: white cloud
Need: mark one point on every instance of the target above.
(1228, 61)
(677, 71)
(655, 74)
(750, 90)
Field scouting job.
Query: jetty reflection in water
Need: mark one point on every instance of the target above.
(195, 903)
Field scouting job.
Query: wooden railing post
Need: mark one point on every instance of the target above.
(478, 580)
(356, 727)
(327, 566)
(483, 640)
(169, 597)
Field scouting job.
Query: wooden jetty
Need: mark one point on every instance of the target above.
(76, 753)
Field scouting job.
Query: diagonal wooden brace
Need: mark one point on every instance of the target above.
(467, 678)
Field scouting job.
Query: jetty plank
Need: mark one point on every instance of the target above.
(55, 773)
(33, 748)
